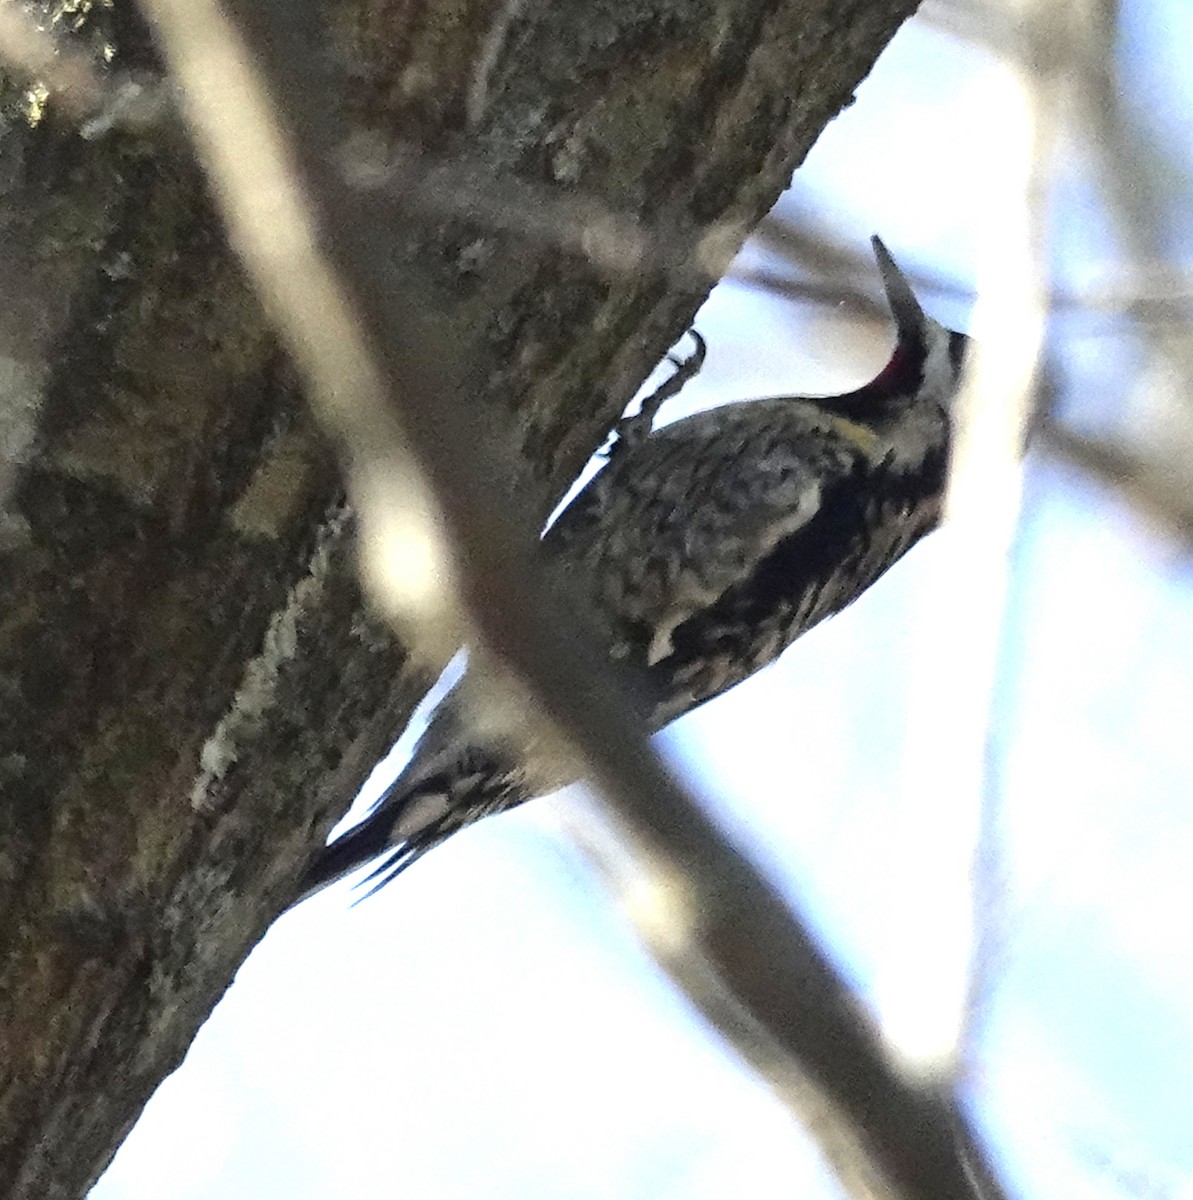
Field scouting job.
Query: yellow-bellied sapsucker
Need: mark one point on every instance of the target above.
(705, 548)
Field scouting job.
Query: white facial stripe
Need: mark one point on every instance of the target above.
(918, 427)
(940, 376)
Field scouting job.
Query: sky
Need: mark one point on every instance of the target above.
(488, 1026)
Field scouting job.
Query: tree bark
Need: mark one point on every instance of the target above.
(191, 690)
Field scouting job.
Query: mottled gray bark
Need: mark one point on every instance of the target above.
(190, 689)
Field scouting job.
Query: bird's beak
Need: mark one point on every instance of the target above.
(909, 316)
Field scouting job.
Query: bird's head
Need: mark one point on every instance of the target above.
(927, 358)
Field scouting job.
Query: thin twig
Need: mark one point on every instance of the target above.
(1159, 297)
(421, 184)
(1159, 489)
(935, 991)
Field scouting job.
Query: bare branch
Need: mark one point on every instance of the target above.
(933, 992)
(1159, 489)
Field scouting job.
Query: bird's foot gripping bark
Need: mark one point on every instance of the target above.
(630, 431)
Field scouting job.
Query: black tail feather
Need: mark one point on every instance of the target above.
(360, 845)
(395, 863)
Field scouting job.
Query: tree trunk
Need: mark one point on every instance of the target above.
(190, 689)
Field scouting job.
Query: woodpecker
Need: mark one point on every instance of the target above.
(704, 548)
